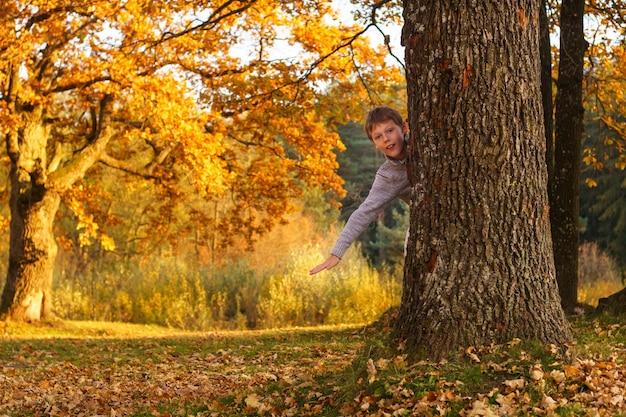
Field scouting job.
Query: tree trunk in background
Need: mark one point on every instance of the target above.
(36, 186)
(27, 294)
(564, 209)
(479, 267)
(546, 94)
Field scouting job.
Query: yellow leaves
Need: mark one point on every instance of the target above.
(471, 353)
(514, 384)
(108, 244)
(558, 376)
(536, 373)
(261, 76)
(590, 159)
(88, 229)
(400, 361)
(606, 103)
(371, 371)
(253, 401)
(170, 110)
(4, 223)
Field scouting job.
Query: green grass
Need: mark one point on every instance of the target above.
(96, 368)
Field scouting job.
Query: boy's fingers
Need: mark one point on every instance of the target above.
(316, 269)
(327, 264)
(319, 268)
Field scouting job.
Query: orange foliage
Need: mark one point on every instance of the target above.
(605, 81)
(229, 95)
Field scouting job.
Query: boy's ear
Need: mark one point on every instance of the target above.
(405, 127)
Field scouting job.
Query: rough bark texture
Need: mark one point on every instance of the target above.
(567, 154)
(27, 292)
(546, 94)
(480, 266)
(27, 295)
(36, 185)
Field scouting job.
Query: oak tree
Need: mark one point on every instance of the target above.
(480, 267)
(224, 93)
(577, 88)
(603, 199)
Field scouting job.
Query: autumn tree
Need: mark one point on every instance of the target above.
(604, 157)
(574, 82)
(480, 267)
(568, 132)
(603, 197)
(223, 93)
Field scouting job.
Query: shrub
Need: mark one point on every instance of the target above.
(243, 294)
(353, 292)
(233, 294)
(364, 294)
(291, 296)
(598, 276)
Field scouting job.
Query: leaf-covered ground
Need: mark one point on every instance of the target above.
(100, 369)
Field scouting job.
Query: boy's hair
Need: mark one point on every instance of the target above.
(380, 115)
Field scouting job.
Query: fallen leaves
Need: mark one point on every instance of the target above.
(297, 376)
(521, 384)
(371, 371)
(126, 377)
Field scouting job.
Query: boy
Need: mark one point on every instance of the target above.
(386, 129)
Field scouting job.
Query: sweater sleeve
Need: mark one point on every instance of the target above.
(384, 190)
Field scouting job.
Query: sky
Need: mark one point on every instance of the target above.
(282, 50)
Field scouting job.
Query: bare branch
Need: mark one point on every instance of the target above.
(125, 166)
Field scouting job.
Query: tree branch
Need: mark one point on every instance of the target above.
(125, 166)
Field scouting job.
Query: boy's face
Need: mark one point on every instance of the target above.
(388, 137)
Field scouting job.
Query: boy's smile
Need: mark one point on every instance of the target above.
(388, 137)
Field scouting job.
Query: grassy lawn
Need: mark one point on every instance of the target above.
(114, 369)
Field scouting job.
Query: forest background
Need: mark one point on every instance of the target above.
(129, 254)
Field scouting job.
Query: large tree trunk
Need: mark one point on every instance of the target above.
(480, 267)
(27, 294)
(567, 154)
(36, 186)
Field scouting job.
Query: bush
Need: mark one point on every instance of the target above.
(352, 293)
(232, 297)
(239, 296)
(293, 297)
(598, 276)
(364, 294)
(158, 296)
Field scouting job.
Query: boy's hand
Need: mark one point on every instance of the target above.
(329, 263)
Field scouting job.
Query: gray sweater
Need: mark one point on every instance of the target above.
(391, 182)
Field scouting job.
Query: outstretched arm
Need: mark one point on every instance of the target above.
(329, 263)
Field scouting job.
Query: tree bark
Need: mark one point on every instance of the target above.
(479, 267)
(567, 154)
(546, 93)
(36, 187)
(27, 294)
